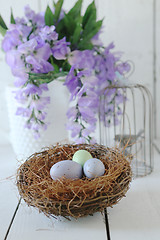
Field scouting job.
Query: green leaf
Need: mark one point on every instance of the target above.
(85, 44)
(60, 26)
(91, 11)
(45, 77)
(58, 7)
(52, 61)
(76, 34)
(95, 30)
(91, 28)
(56, 68)
(12, 20)
(2, 23)
(75, 12)
(49, 17)
(99, 24)
(86, 41)
(67, 26)
(2, 31)
(70, 24)
(90, 25)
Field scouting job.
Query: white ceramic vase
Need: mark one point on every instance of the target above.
(22, 139)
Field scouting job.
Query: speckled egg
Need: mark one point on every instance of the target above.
(81, 156)
(67, 169)
(93, 168)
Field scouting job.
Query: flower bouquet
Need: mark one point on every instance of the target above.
(56, 44)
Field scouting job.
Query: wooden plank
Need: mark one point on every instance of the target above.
(157, 68)
(129, 25)
(17, 8)
(138, 215)
(107, 224)
(12, 220)
(8, 190)
(67, 5)
(30, 224)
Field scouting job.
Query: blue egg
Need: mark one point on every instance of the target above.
(93, 168)
(67, 169)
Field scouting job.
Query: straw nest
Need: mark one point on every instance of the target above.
(68, 197)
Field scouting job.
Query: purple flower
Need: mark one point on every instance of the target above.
(120, 98)
(43, 52)
(32, 89)
(32, 47)
(48, 33)
(41, 115)
(36, 132)
(37, 19)
(82, 59)
(40, 104)
(27, 47)
(36, 56)
(96, 41)
(80, 140)
(20, 96)
(44, 87)
(28, 125)
(72, 113)
(107, 49)
(75, 127)
(87, 114)
(61, 49)
(19, 82)
(11, 39)
(88, 79)
(39, 65)
(123, 67)
(86, 132)
(28, 12)
(73, 83)
(89, 102)
(25, 112)
(14, 60)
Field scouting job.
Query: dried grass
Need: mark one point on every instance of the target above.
(68, 197)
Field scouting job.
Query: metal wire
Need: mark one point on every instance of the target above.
(135, 126)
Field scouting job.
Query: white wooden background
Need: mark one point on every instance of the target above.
(130, 24)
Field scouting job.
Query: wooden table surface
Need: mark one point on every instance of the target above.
(137, 216)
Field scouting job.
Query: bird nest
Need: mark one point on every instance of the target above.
(67, 197)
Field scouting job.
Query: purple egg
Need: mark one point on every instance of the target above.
(66, 168)
(93, 168)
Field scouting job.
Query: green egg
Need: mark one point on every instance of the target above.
(81, 156)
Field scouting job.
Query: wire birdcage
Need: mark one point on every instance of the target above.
(128, 124)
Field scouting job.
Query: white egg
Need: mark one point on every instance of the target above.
(93, 168)
(67, 169)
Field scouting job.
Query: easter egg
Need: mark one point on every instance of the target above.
(67, 169)
(93, 168)
(81, 156)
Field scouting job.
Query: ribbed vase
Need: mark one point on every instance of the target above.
(22, 140)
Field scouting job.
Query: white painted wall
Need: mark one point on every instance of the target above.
(128, 23)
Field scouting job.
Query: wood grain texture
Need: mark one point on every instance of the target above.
(17, 7)
(129, 25)
(30, 224)
(8, 190)
(157, 83)
(138, 216)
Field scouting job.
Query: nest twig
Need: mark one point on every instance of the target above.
(67, 197)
